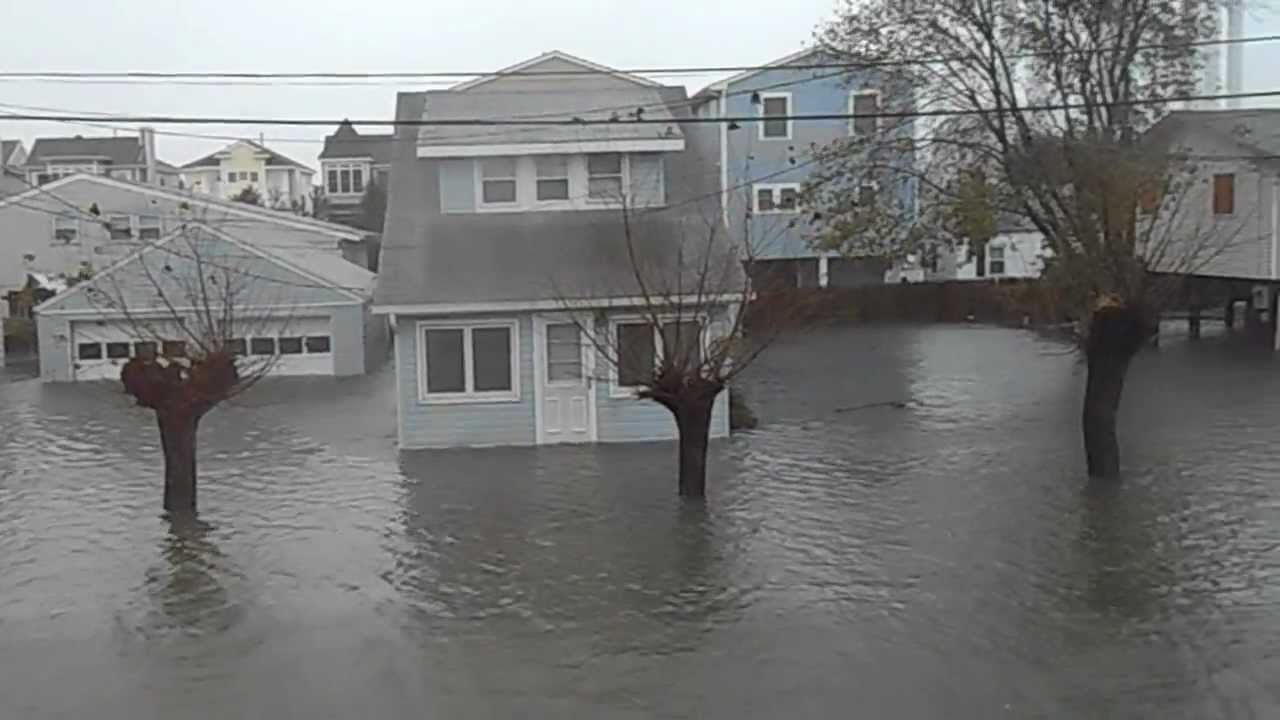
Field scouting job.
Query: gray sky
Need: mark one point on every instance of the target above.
(368, 36)
(382, 35)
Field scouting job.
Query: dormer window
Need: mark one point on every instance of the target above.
(604, 176)
(498, 181)
(553, 177)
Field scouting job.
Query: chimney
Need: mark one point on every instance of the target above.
(148, 137)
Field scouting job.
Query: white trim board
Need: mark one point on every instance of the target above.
(537, 305)
(553, 148)
(467, 397)
(586, 326)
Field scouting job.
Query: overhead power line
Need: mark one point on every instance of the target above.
(620, 121)
(462, 74)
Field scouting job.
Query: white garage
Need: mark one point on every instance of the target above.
(301, 314)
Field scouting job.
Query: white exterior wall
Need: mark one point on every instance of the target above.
(1241, 244)
(1023, 257)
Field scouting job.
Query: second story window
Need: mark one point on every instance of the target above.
(995, 257)
(343, 178)
(1224, 194)
(864, 105)
(604, 176)
(66, 230)
(498, 180)
(775, 110)
(777, 198)
(553, 177)
(148, 227)
(119, 227)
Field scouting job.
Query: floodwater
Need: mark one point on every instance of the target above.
(940, 559)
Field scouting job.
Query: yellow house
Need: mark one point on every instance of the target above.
(280, 182)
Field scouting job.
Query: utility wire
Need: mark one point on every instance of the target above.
(579, 121)
(687, 70)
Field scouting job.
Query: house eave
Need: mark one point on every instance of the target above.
(552, 148)
(545, 305)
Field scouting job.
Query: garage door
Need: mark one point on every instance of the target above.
(295, 346)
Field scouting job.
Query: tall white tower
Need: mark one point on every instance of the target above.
(1224, 63)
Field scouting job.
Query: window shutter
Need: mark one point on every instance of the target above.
(1224, 194)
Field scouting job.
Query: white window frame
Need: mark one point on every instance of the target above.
(567, 177)
(128, 219)
(1003, 259)
(138, 227)
(624, 177)
(630, 391)
(517, 204)
(53, 233)
(468, 368)
(353, 168)
(853, 95)
(774, 189)
(764, 118)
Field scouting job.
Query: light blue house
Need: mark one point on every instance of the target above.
(764, 164)
(510, 255)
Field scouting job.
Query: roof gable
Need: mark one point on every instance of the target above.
(115, 150)
(568, 68)
(796, 58)
(162, 275)
(273, 158)
(228, 207)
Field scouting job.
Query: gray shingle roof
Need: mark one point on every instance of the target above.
(433, 258)
(548, 104)
(116, 150)
(1254, 130)
(6, 149)
(274, 159)
(346, 142)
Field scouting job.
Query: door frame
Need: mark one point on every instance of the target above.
(587, 325)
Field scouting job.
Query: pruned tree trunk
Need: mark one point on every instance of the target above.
(1115, 336)
(178, 440)
(693, 420)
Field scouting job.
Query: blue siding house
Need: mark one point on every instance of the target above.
(508, 270)
(763, 165)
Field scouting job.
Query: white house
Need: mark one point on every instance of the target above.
(281, 182)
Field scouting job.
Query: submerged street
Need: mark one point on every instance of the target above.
(907, 534)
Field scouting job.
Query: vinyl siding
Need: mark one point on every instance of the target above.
(462, 425)
(634, 420)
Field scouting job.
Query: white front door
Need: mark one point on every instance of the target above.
(566, 411)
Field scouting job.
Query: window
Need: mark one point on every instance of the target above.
(231, 177)
(117, 350)
(89, 351)
(604, 176)
(253, 176)
(262, 346)
(780, 198)
(1224, 194)
(237, 346)
(867, 193)
(174, 348)
(553, 177)
(637, 354)
(45, 178)
(318, 344)
(119, 227)
(459, 363)
(647, 184)
(290, 346)
(564, 353)
(145, 349)
(775, 109)
(498, 180)
(682, 344)
(864, 102)
(66, 230)
(995, 257)
(148, 227)
(344, 178)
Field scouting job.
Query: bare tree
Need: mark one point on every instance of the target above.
(189, 302)
(1050, 101)
(697, 323)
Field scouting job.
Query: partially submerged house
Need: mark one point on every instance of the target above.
(506, 252)
(304, 312)
(764, 165)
